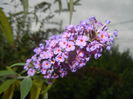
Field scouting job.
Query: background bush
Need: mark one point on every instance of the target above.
(109, 77)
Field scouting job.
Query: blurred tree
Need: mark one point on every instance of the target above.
(30, 26)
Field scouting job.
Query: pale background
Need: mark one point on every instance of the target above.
(120, 12)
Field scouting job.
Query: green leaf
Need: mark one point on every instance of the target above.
(25, 87)
(17, 64)
(7, 72)
(4, 86)
(25, 4)
(5, 27)
(71, 10)
(8, 94)
(35, 90)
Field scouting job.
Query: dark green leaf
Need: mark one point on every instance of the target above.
(8, 94)
(25, 87)
(5, 85)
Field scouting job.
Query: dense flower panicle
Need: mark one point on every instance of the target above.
(71, 50)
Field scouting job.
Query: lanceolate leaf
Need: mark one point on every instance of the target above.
(71, 10)
(5, 27)
(7, 72)
(25, 87)
(5, 85)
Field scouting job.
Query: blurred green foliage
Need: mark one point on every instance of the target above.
(17, 39)
(110, 77)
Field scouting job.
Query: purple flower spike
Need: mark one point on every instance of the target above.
(71, 50)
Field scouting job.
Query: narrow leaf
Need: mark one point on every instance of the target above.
(25, 87)
(8, 94)
(5, 27)
(17, 64)
(25, 4)
(4, 86)
(71, 10)
(7, 72)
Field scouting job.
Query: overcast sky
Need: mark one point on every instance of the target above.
(115, 10)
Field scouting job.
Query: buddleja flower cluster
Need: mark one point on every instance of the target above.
(71, 50)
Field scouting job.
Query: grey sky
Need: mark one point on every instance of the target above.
(114, 10)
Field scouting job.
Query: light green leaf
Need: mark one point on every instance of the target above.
(5, 27)
(5, 85)
(35, 90)
(71, 10)
(8, 94)
(17, 64)
(7, 72)
(25, 87)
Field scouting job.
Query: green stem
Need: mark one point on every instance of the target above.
(22, 77)
(45, 91)
(47, 88)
